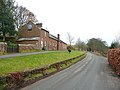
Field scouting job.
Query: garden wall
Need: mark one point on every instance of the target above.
(3, 47)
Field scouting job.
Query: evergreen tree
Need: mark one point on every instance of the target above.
(114, 45)
(97, 45)
(7, 21)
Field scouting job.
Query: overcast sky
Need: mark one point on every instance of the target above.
(81, 18)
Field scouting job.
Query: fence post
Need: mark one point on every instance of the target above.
(18, 48)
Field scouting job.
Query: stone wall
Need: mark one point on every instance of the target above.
(25, 47)
(3, 47)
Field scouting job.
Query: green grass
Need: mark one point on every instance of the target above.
(51, 70)
(22, 63)
(3, 53)
(1, 87)
(27, 51)
(33, 77)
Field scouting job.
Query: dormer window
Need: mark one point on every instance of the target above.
(29, 26)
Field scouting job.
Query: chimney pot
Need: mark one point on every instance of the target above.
(39, 25)
(58, 36)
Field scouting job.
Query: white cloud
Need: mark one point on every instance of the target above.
(82, 18)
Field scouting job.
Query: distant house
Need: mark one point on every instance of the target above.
(34, 37)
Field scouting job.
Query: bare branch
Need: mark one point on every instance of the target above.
(70, 38)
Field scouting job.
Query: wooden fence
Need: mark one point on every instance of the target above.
(12, 49)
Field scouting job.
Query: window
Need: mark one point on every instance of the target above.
(29, 26)
(42, 44)
(45, 43)
(50, 43)
(54, 44)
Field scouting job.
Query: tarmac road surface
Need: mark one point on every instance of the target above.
(92, 73)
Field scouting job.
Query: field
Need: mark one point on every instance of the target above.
(23, 63)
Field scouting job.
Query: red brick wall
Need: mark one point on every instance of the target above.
(45, 38)
(24, 48)
(52, 44)
(25, 33)
(62, 46)
(48, 42)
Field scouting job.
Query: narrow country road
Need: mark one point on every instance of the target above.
(92, 73)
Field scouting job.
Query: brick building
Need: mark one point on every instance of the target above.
(34, 37)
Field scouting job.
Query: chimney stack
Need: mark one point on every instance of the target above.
(39, 25)
(58, 41)
(58, 36)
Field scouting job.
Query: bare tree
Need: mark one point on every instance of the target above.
(70, 38)
(80, 45)
(116, 42)
(117, 39)
(21, 16)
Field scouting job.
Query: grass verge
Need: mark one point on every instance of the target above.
(23, 63)
(37, 76)
(52, 70)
